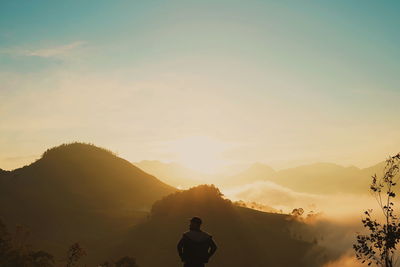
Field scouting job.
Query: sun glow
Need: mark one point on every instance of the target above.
(200, 153)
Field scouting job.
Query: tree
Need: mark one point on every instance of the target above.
(126, 262)
(5, 243)
(41, 259)
(74, 254)
(297, 212)
(105, 264)
(379, 245)
(14, 250)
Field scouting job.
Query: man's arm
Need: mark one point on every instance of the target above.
(213, 248)
(180, 248)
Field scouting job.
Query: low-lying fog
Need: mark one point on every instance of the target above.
(336, 220)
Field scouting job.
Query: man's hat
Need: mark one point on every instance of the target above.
(196, 220)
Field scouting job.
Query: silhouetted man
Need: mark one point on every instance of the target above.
(196, 247)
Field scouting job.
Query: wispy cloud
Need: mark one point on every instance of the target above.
(54, 51)
(60, 51)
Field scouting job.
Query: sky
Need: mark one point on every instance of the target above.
(203, 83)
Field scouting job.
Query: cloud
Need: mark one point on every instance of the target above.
(334, 230)
(271, 194)
(285, 199)
(60, 51)
(344, 261)
(55, 51)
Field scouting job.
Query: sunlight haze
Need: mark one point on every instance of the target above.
(199, 133)
(281, 83)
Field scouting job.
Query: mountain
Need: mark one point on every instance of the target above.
(317, 178)
(172, 173)
(256, 172)
(245, 237)
(321, 178)
(327, 178)
(78, 193)
(377, 169)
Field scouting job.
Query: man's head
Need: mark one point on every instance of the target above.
(195, 223)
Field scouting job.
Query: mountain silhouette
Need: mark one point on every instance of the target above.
(256, 172)
(326, 178)
(78, 193)
(317, 178)
(245, 237)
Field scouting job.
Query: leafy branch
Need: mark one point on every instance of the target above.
(379, 245)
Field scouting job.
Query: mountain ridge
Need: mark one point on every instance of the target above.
(315, 178)
(80, 193)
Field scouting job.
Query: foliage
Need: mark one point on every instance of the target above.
(203, 196)
(76, 147)
(379, 245)
(75, 253)
(5, 244)
(41, 259)
(15, 252)
(255, 206)
(297, 212)
(105, 264)
(126, 262)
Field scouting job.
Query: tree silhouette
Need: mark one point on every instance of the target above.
(5, 244)
(41, 259)
(126, 262)
(379, 245)
(14, 250)
(297, 212)
(74, 254)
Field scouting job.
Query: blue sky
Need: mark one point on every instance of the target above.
(281, 82)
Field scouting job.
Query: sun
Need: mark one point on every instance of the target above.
(200, 153)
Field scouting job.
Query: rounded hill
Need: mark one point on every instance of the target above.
(245, 237)
(78, 192)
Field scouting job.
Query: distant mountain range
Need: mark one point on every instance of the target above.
(318, 178)
(327, 178)
(256, 172)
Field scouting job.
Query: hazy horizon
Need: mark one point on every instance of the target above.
(204, 83)
(17, 162)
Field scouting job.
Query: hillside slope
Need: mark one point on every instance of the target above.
(245, 237)
(78, 193)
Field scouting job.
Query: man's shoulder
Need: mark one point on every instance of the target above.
(197, 232)
(197, 235)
